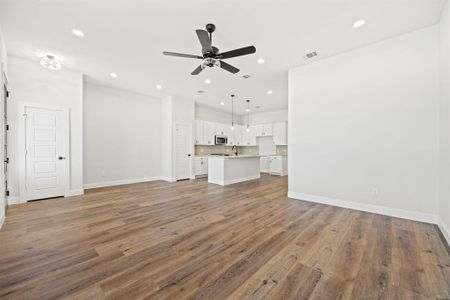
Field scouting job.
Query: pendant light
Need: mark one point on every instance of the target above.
(232, 112)
(248, 115)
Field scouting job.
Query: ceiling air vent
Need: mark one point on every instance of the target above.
(246, 76)
(311, 55)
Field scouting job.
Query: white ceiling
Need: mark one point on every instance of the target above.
(128, 36)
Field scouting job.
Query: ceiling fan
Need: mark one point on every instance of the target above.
(210, 54)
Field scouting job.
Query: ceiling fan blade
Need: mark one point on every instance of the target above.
(182, 55)
(237, 52)
(203, 37)
(228, 67)
(197, 70)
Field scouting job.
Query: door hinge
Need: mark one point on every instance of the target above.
(8, 94)
(7, 160)
(7, 193)
(7, 127)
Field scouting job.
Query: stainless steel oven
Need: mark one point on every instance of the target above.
(221, 140)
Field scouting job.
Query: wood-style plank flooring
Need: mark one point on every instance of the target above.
(193, 240)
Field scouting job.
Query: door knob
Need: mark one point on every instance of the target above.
(61, 158)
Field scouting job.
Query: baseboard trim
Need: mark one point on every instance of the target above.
(2, 220)
(12, 200)
(382, 210)
(445, 231)
(168, 179)
(119, 182)
(76, 192)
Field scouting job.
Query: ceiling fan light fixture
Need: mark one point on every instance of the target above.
(49, 61)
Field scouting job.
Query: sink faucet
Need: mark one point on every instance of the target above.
(235, 148)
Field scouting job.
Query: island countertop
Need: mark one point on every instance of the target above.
(233, 156)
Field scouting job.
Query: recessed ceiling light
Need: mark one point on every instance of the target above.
(113, 75)
(207, 81)
(158, 86)
(269, 92)
(359, 23)
(261, 61)
(222, 103)
(50, 62)
(78, 33)
(247, 110)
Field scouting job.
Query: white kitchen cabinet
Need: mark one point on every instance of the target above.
(264, 164)
(278, 165)
(249, 137)
(264, 129)
(280, 133)
(268, 129)
(223, 129)
(237, 134)
(209, 132)
(199, 134)
(201, 165)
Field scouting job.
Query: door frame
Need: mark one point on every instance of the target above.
(191, 146)
(22, 145)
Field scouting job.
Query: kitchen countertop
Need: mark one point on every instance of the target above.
(233, 156)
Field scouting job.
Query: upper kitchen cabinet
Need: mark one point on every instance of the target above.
(264, 129)
(209, 131)
(223, 129)
(249, 137)
(199, 134)
(280, 133)
(237, 135)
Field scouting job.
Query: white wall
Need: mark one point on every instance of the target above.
(267, 117)
(214, 115)
(122, 133)
(29, 82)
(174, 109)
(363, 127)
(444, 159)
(2, 176)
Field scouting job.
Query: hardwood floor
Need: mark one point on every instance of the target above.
(189, 239)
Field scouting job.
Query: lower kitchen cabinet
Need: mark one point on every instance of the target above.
(278, 165)
(201, 166)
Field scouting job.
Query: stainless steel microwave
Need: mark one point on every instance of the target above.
(221, 140)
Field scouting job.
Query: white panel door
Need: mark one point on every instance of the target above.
(44, 153)
(183, 150)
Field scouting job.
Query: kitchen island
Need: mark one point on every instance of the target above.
(225, 170)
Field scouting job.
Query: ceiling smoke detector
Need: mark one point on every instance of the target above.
(50, 62)
(310, 55)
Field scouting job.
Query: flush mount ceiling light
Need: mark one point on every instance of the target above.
(359, 23)
(78, 33)
(222, 103)
(207, 81)
(269, 92)
(50, 62)
(158, 86)
(113, 75)
(261, 61)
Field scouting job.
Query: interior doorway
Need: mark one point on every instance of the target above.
(46, 152)
(183, 151)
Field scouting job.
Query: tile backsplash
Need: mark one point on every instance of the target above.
(218, 149)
